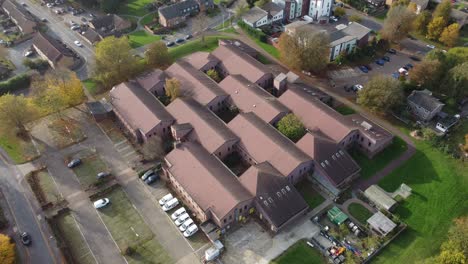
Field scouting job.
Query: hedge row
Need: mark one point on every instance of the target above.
(252, 31)
(15, 83)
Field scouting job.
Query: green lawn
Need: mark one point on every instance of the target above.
(134, 7)
(211, 43)
(141, 38)
(309, 194)
(267, 47)
(440, 188)
(129, 230)
(359, 212)
(345, 110)
(92, 86)
(19, 150)
(300, 253)
(87, 171)
(263, 59)
(148, 18)
(371, 166)
(48, 186)
(74, 240)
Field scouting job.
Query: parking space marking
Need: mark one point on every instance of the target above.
(129, 153)
(119, 143)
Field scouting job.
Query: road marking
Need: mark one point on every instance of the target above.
(124, 148)
(120, 143)
(129, 153)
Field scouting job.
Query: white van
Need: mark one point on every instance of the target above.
(186, 224)
(170, 204)
(181, 219)
(177, 213)
(191, 230)
(165, 199)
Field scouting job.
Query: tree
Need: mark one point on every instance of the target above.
(435, 28)
(241, 9)
(465, 147)
(7, 250)
(199, 25)
(213, 74)
(421, 22)
(456, 82)
(157, 55)
(4, 53)
(172, 88)
(397, 24)
(412, 7)
(427, 73)
(443, 10)
(292, 127)
(355, 18)
(153, 148)
(450, 35)
(261, 3)
(401, 3)
(16, 111)
(339, 12)
(251, 3)
(114, 61)
(381, 94)
(305, 51)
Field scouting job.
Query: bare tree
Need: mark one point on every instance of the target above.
(398, 23)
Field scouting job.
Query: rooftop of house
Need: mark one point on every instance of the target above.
(254, 14)
(368, 128)
(178, 9)
(208, 129)
(278, 198)
(239, 45)
(200, 59)
(249, 97)
(24, 19)
(380, 197)
(264, 143)
(109, 24)
(381, 223)
(140, 109)
(334, 160)
(238, 62)
(92, 36)
(272, 8)
(195, 83)
(149, 79)
(51, 47)
(357, 30)
(209, 183)
(425, 100)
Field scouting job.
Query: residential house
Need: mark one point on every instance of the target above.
(249, 97)
(266, 15)
(140, 112)
(202, 61)
(53, 51)
(421, 5)
(20, 16)
(176, 14)
(289, 9)
(259, 142)
(240, 46)
(320, 10)
(153, 81)
(423, 105)
(277, 203)
(381, 224)
(104, 26)
(206, 128)
(234, 61)
(460, 16)
(380, 198)
(198, 85)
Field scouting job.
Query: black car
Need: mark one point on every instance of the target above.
(415, 58)
(169, 44)
(73, 163)
(152, 179)
(386, 58)
(189, 36)
(392, 51)
(409, 66)
(179, 40)
(25, 239)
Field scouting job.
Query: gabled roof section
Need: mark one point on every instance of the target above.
(278, 198)
(148, 79)
(140, 109)
(195, 83)
(177, 9)
(368, 128)
(50, 47)
(200, 59)
(254, 14)
(208, 182)
(315, 114)
(425, 100)
(264, 143)
(333, 160)
(250, 97)
(357, 30)
(237, 62)
(209, 130)
(24, 19)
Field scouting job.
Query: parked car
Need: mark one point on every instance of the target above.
(181, 219)
(78, 43)
(380, 62)
(396, 75)
(369, 68)
(430, 46)
(73, 163)
(170, 204)
(415, 58)
(169, 44)
(25, 238)
(179, 40)
(186, 225)
(28, 53)
(334, 19)
(386, 58)
(101, 203)
(191, 230)
(75, 27)
(91, 15)
(165, 199)
(103, 174)
(151, 179)
(189, 36)
(177, 213)
(357, 87)
(409, 66)
(50, 5)
(403, 71)
(44, 19)
(363, 69)
(392, 51)
(147, 174)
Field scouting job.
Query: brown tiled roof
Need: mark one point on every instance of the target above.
(368, 128)
(239, 45)
(199, 59)
(208, 182)
(265, 182)
(51, 47)
(148, 79)
(249, 97)
(139, 108)
(209, 130)
(333, 160)
(92, 36)
(195, 83)
(237, 62)
(264, 143)
(25, 20)
(315, 114)
(109, 24)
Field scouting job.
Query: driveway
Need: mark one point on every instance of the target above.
(17, 56)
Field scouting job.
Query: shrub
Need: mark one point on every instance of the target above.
(252, 31)
(36, 64)
(15, 83)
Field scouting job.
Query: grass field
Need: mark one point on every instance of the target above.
(268, 48)
(300, 253)
(19, 150)
(263, 59)
(148, 18)
(134, 7)
(359, 212)
(129, 230)
(92, 86)
(345, 110)
(141, 38)
(48, 186)
(211, 43)
(90, 166)
(309, 194)
(371, 166)
(440, 188)
(74, 240)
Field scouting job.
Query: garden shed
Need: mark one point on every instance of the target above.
(337, 216)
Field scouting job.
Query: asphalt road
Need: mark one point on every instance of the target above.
(58, 29)
(27, 216)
